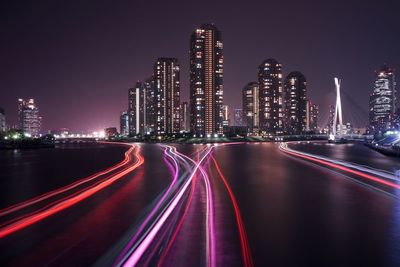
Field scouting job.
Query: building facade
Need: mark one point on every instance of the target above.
(167, 94)
(124, 123)
(295, 103)
(2, 120)
(225, 116)
(271, 97)
(142, 108)
(28, 117)
(185, 117)
(136, 113)
(150, 106)
(206, 80)
(331, 118)
(111, 132)
(238, 117)
(382, 103)
(312, 117)
(250, 106)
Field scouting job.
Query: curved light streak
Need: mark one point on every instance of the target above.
(246, 253)
(68, 201)
(210, 228)
(71, 186)
(358, 170)
(137, 254)
(363, 168)
(179, 225)
(154, 210)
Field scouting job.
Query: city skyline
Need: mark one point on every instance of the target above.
(200, 133)
(52, 79)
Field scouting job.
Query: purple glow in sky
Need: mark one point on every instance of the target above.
(78, 58)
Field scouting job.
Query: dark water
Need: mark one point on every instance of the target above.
(79, 235)
(351, 152)
(295, 213)
(299, 214)
(30, 172)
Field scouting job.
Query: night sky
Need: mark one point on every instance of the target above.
(77, 59)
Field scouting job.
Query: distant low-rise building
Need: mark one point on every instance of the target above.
(65, 131)
(348, 128)
(232, 131)
(361, 130)
(111, 132)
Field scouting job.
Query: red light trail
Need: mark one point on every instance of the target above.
(175, 172)
(210, 226)
(247, 259)
(337, 166)
(181, 220)
(58, 191)
(179, 226)
(143, 240)
(69, 200)
(140, 250)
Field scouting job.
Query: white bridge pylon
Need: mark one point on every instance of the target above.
(338, 112)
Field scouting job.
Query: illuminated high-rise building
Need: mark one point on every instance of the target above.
(312, 116)
(150, 106)
(124, 123)
(295, 103)
(225, 116)
(251, 107)
(271, 97)
(2, 120)
(382, 103)
(142, 108)
(331, 118)
(21, 105)
(167, 89)
(238, 117)
(28, 116)
(136, 109)
(185, 117)
(206, 80)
